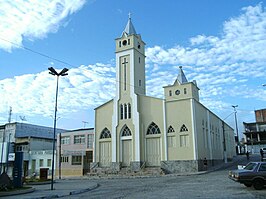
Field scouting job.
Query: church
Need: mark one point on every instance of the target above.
(135, 131)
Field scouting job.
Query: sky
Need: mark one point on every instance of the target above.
(221, 44)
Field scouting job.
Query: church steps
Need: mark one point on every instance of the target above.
(125, 171)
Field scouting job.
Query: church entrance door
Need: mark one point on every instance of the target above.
(105, 154)
(126, 152)
(153, 152)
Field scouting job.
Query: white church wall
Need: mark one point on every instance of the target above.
(103, 119)
(178, 113)
(151, 110)
(210, 134)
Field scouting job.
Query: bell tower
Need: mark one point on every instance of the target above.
(130, 82)
(130, 62)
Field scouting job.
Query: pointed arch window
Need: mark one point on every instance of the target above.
(125, 109)
(153, 129)
(170, 129)
(183, 128)
(105, 134)
(121, 111)
(129, 110)
(126, 131)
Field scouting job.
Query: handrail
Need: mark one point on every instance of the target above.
(96, 164)
(143, 165)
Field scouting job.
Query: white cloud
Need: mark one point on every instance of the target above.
(20, 20)
(34, 94)
(223, 66)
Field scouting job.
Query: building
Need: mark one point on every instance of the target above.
(36, 143)
(75, 152)
(175, 133)
(255, 132)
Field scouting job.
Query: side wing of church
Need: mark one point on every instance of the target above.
(175, 133)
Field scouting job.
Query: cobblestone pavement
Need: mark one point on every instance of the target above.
(209, 185)
(215, 184)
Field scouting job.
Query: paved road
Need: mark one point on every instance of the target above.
(211, 185)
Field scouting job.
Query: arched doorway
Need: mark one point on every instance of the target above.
(105, 148)
(126, 146)
(153, 145)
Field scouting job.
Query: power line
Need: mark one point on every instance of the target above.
(38, 53)
(71, 65)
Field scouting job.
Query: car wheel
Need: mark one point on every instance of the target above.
(258, 184)
(248, 184)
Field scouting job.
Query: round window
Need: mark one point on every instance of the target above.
(124, 42)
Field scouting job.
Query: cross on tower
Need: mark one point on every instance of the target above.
(125, 73)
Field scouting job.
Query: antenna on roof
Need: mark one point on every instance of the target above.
(84, 124)
(22, 118)
(10, 114)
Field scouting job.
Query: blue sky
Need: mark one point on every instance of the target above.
(220, 44)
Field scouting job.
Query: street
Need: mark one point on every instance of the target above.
(214, 185)
(210, 185)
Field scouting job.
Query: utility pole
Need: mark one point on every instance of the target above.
(2, 151)
(237, 137)
(10, 114)
(225, 155)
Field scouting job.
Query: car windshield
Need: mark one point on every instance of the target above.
(250, 166)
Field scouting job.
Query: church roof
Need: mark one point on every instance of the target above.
(129, 29)
(181, 78)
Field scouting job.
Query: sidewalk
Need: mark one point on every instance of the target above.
(238, 160)
(62, 188)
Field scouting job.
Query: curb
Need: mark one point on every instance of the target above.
(75, 192)
(83, 190)
(17, 192)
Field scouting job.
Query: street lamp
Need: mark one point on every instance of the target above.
(237, 137)
(62, 73)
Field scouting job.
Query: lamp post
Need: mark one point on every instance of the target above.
(62, 73)
(237, 137)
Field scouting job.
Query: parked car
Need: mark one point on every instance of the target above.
(253, 174)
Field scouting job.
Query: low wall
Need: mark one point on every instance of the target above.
(70, 172)
(186, 166)
(179, 166)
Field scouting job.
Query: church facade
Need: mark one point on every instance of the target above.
(175, 133)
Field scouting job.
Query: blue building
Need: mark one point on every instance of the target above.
(36, 143)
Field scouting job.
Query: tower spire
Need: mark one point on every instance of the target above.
(129, 29)
(181, 78)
